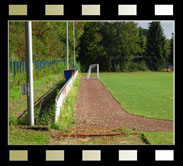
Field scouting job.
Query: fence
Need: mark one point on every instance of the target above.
(20, 66)
(59, 101)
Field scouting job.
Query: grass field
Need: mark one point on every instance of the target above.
(148, 94)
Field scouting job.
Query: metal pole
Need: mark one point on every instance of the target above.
(74, 45)
(98, 71)
(67, 45)
(30, 93)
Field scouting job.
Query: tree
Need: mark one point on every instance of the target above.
(120, 39)
(102, 41)
(143, 40)
(128, 43)
(49, 40)
(156, 48)
(17, 41)
(171, 50)
(90, 50)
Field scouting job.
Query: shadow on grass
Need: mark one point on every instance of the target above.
(44, 108)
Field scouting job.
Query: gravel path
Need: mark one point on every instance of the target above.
(96, 109)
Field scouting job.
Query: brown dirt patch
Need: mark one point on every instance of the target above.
(96, 109)
(100, 140)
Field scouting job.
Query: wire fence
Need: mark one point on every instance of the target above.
(20, 66)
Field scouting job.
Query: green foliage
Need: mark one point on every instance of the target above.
(49, 40)
(134, 66)
(96, 42)
(37, 74)
(170, 58)
(12, 119)
(156, 47)
(143, 41)
(54, 126)
(102, 41)
(46, 115)
(118, 68)
(142, 66)
(90, 49)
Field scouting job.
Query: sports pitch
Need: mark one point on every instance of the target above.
(148, 94)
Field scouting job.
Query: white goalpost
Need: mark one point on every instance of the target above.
(93, 66)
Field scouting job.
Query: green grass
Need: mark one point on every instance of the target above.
(27, 137)
(159, 138)
(148, 94)
(40, 87)
(66, 118)
(15, 93)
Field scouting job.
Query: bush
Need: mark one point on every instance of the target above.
(126, 66)
(142, 66)
(78, 66)
(13, 119)
(118, 68)
(134, 66)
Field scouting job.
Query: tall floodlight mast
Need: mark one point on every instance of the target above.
(74, 45)
(67, 45)
(30, 92)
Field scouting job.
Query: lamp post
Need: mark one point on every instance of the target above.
(30, 92)
(67, 45)
(74, 45)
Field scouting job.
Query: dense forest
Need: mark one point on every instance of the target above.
(116, 46)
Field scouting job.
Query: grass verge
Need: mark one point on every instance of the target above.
(19, 103)
(27, 137)
(66, 118)
(159, 138)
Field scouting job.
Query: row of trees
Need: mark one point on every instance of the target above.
(102, 41)
(96, 42)
(49, 40)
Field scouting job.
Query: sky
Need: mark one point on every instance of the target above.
(168, 27)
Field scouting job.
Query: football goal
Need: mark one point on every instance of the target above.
(95, 69)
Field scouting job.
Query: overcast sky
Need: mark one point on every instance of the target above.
(168, 26)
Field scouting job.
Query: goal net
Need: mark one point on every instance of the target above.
(95, 69)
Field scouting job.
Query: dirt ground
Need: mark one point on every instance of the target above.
(99, 140)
